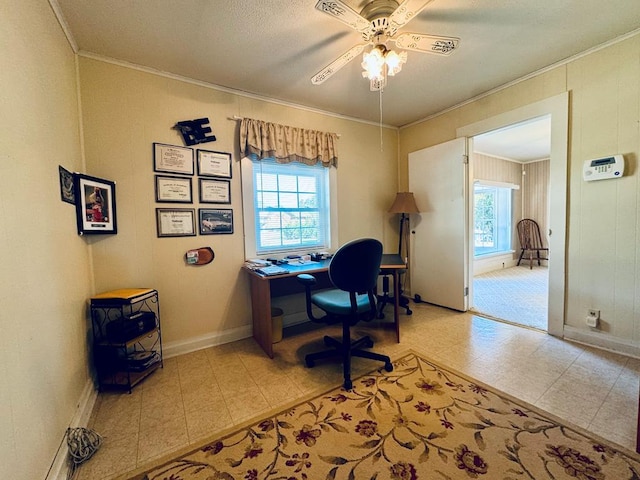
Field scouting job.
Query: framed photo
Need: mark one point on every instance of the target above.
(173, 189)
(176, 222)
(67, 192)
(95, 205)
(172, 159)
(214, 191)
(215, 221)
(214, 164)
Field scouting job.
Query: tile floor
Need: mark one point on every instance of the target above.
(198, 394)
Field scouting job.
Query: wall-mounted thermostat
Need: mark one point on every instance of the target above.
(603, 168)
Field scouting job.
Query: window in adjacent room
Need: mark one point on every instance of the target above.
(492, 219)
(290, 207)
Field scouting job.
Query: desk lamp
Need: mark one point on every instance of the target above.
(404, 204)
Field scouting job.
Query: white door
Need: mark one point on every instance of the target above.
(439, 247)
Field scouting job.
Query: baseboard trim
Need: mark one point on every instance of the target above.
(603, 341)
(173, 349)
(60, 468)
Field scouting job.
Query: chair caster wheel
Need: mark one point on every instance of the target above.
(310, 363)
(409, 312)
(388, 367)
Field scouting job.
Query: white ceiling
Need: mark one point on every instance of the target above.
(272, 48)
(522, 142)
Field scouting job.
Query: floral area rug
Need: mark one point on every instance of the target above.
(421, 421)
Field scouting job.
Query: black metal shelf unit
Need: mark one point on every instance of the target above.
(127, 341)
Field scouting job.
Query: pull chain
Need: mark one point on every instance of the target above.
(381, 119)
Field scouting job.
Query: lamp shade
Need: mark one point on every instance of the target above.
(404, 203)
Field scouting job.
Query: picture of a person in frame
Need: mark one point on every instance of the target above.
(96, 205)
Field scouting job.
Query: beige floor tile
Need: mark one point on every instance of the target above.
(207, 421)
(245, 404)
(116, 455)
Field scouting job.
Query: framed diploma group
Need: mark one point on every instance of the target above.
(175, 166)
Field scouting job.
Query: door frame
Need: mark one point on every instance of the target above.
(558, 108)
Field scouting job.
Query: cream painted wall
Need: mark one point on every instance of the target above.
(603, 262)
(45, 275)
(124, 111)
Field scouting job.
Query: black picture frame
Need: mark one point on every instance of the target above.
(214, 164)
(176, 222)
(95, 205)
(172, 159)
(67, 192)
(172, 189)
(215, 221)
(213, 190)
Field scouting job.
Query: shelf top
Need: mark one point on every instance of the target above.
(123, 293)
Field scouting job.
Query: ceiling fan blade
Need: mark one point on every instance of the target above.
(420, 42)
(344, 13)
(405, 12)
(337, 64)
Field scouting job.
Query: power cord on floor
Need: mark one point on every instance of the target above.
(82, 444)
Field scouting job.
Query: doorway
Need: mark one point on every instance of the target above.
(557, 108)
(510, 168)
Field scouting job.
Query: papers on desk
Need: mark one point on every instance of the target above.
(300, 262)
(257, 263)
(272, 270)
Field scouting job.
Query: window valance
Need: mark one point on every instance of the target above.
(287, 144)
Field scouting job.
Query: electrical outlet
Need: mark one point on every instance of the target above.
(593, 316)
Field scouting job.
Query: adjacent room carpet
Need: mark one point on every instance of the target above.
(517, 294)
(421, 421)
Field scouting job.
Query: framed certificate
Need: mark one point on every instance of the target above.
(173, 189)
(214, 164)
(176, 222)
(215, 221)
(172, 159)
(215, 191)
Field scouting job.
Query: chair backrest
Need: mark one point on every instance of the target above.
(529, 234)
(356, 265)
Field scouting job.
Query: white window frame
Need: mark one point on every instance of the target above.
(249, 217)
(507, 235)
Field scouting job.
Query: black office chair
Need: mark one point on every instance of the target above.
(354, 272)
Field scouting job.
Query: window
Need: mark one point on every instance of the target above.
(290, 207)
(492, 219)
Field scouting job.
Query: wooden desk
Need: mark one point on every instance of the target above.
(264, 287)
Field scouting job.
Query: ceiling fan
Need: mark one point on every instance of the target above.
(379, 22)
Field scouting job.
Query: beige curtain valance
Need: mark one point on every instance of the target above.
(287, 144)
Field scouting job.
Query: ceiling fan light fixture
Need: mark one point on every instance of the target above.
(380, 62)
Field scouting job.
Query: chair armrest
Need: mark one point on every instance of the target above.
(306, 279)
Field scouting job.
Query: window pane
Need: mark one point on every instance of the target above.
(269, 220)
(268, 200)
(288, 183)
(307, 184)
(288, 200)
(308, 200)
